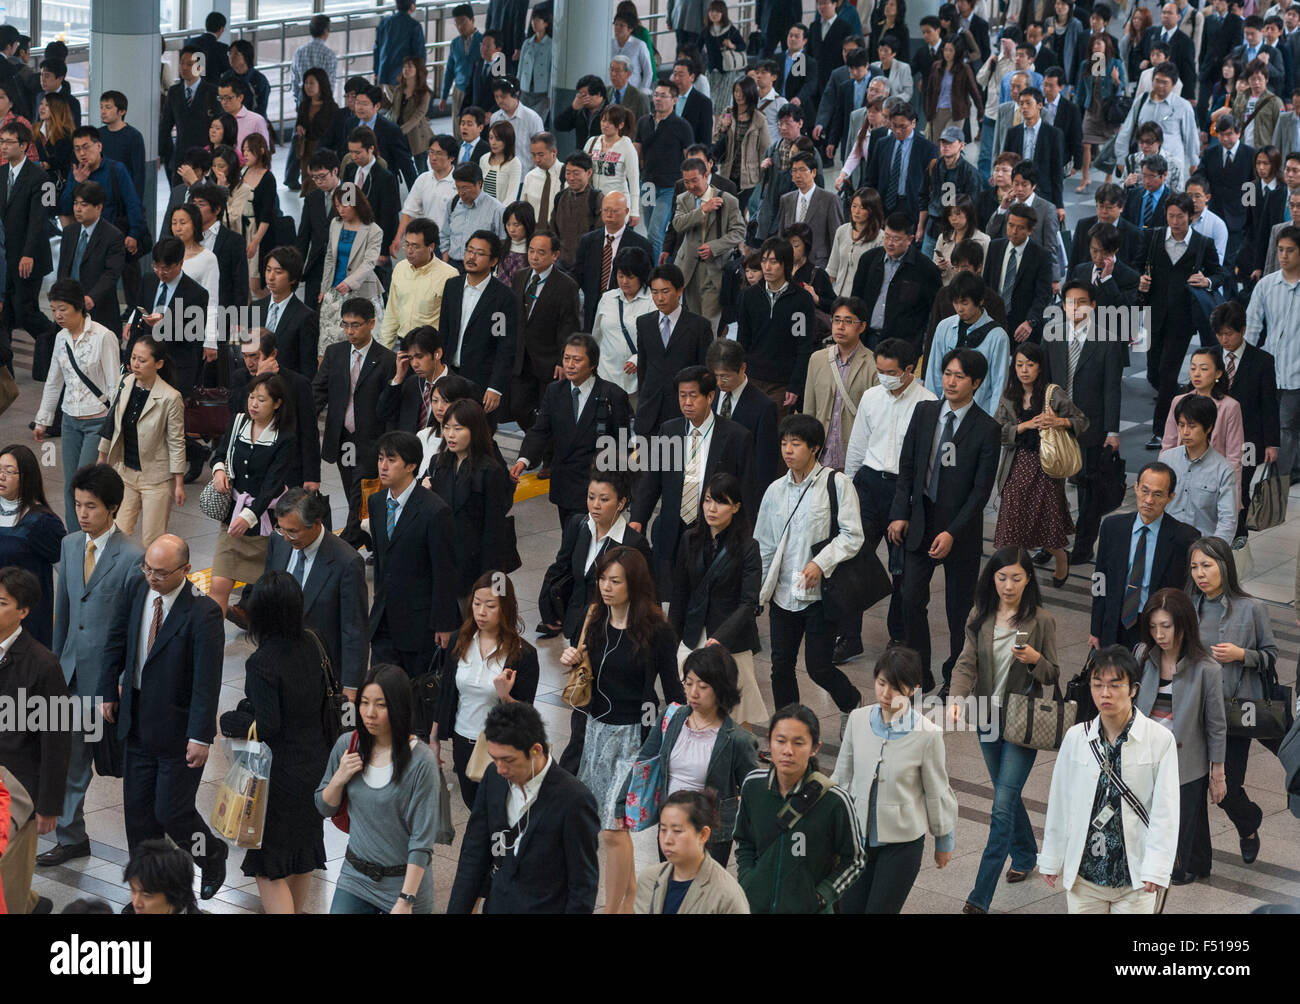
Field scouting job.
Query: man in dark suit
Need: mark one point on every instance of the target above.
(1228, 167)
(406, 403)
(1181, 51)
(1252, 382)
(945, 476)
(27, 256)
(1110, 208)
(174, 308)
(896, 167)
(95, 563)
(667, 341)
(390, 141)
(333, 580)
(216, 53)
(743, 403)
(228, 245)
(189, 107)
(1145, 204)
(380, 188)
(261, 355)
(913, 282)
(1047, 148)
(485, 72)
(826, 37)
(1167, 291)
(414, 607)
(317, 212)
(546, 304)
(576, 414)
(93, 253)
(479, 323)
(976, 25)
(1063, 114)
(1137, 555)
(550, 862)
(589, 258)
(296, 325)
(162, 654)
(810, 204)
(1222, 32)
(1086, 359)
(800, 79)
(692, 106)
(841, 98)
(1114, 284)
(1021, 271)
(348, 383)
(710, 444)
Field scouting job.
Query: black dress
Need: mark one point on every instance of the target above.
(266, 209)
(284, 682)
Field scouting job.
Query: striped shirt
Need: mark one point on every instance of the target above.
(1274, 314)
(314, 53)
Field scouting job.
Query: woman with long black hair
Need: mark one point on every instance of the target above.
(31, 536)
(319, 125)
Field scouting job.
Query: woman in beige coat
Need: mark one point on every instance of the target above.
(740, 140)
(355, 244)
(838, 376)
(690, 880)
(143, 438)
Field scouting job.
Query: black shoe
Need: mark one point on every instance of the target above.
(1250, 849)
(63, 852)
(1043, 557)
(195, 470)
(1154, 443)
(1059, 582)
(237, 616)
(1186, 878)
(846, 649)
(972, 908)
(943, 692)
(43, 905)
(1080, 557)
(214, 872)
(293, 186)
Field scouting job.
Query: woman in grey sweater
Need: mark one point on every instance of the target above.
(1236, 630)
(390, 782)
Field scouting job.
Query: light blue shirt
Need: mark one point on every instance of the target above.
(1138, 526)
(1215, 229)
(996, 348)
(907, 154)
(896, 729)
(401, 502)
(1035, 80)
(1274, 312)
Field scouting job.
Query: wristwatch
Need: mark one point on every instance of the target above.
(407, 898)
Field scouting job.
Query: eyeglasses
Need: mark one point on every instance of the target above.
(157, 573)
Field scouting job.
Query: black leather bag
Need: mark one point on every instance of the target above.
(424, 693)
(1079, 690)
(856, 584)
(109, 752)
(1110, 480)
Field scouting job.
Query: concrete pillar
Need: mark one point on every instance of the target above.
(584, 32)
(124, 56)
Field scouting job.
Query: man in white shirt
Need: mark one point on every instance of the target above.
(871, 462)
(624, 44)
(545, 181)
(433, 190)
(1204, 221)
(526, 122)
(770, 102)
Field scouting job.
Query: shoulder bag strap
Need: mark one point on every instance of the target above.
(786, 528)
(1047, 398)
(631, 345)
(1125, 792)
(845, 400)
(90, 384)
(833, 497)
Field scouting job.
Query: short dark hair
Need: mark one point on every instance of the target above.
(21, 134)
(159, 866)
(1025, 213)
(1106, 236)
(68, 291)
(967, 286)
(103, 482)
(670, 274)
(447, 143)
(1119, 659)
(1160, 467)
(426, 229)
(474, 112)
(900, 350)
(901, 668)
(701, 375)
(725, 353)
(22, 585)
(197, 158)
(57, 67)
(808, 160)
(588, 345)
(117, 98)
(855, 305)
(426, 338)
(468, 173)
(858, 58)
(972, 363)
(406, 446)
(87, 132)
(1168, 70)
(591, 83)
(781, 250)
(579, 159)
(290, 259)
(319, 25)
(215, 195)
(715, 666)
(1183, 201)
(632, 261)
(1229, 315)
(358, 306)
(275, 607)
(968, 252)
(363, 135)
(1199, 409)
(899, 222)
(516, 724)
(804, 427)
(1156, 164)
(169, 251)
(215, 22)
(1027, 170)
(488, 237)
(1080, 284)
(1110, 195)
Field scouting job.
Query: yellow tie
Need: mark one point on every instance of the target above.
(88, 566)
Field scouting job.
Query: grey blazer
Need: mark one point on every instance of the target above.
(1200, 723)
(334, 602)
(825, 214)
(1245, 623)
(973, 671)
(83, 613)
(1007, 418)
(367, 246)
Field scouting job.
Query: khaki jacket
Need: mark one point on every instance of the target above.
(749, 143)
(1267, 110)
(819, 389)
(160, 432)
(722, 230)
(712, 891)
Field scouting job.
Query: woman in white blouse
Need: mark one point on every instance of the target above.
(87, 385)
(502, 172)
(200, 263)
(863, 231)
(615, 159)
(959, 224)
(616, 316)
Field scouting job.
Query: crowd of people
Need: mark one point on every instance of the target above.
(769, 296)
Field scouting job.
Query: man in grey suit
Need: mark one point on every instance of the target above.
(811, 204)
(93, 568)
(1047, 231)
(333, 579)
(709, 227)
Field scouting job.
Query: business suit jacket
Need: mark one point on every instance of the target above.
(974, 670)
(1168, 568)
(191, 121)
(185, 350)
(330, 387)
(1170, 296)
(1096, 390)
(554, 868)
(363, 258)
(391, 145)
(722, 230)
(571, 559)
(181, 679)
(24, 220)
(634, 100)
(1181, 51)
(918, 163)
(216, 54)
(827, 51)
(414, 592)
(1134, 201)
(715, 593)
(1049, 158)
(480, 495)
(380, 189)
(399, 406)
(101, 269)
(543, 332)
(824, 216)
(586, 267)
(84, 611)
(313, 239)
(807, 87)
(730, 452)
(334, 601)
(698, 113)
(1120, 290)
(1225, 183)
(480, 88)
(1033, 287)
(306, 466)
(296, 334)
(575, 442)
(232, 266)
(757, 412)
(485, 358)
(1129, 245)
(1200, 722)
(964, 485)
(657, 366)
(720, 183)
(1258, 248)
(1254, 387)
(907, 304)
(1069, 120)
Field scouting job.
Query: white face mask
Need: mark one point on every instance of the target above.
(890, 382)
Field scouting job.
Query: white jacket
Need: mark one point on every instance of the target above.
(815, 514)
(1149, 766)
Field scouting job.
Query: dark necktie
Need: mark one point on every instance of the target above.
(895, 174)
(1009, 280)
(299, 561)
(962, 329)
(530, 294)
(426, 401)
(189, 93)
(161, 303)
(156, 624)
(577, 403)
(606, 261)
(1230, 367)
(725, 410)
(932, 489)
(77, 256)
(544, 211)
(1148, 207)
(1132, 605)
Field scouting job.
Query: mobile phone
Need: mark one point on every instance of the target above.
(1022, 639)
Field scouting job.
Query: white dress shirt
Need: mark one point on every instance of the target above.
(521, 798)
(7, 644)
(881, 424)
(401, 506)
(146, 619)
(468, 304)
(1176, 248)
(477, 695)
(307, 556)
(694, 473)
(616, 534)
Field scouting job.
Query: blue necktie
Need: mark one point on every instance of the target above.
(1148, 206)
(392, 515)
(465, 149)
(895, 175)
(301, 560)
(80, 253)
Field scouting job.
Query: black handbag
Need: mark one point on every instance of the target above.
(109, 752)
(857, 583)
(1079, 690)
(1110, 480)
(424, 693)
(1269, 717)
(1115, 109)
(333, 702)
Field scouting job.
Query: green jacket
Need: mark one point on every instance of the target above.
(804, 869)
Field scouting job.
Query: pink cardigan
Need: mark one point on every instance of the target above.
(1228, 437)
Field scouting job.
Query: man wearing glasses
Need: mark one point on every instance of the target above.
(231, 95)
(160, 683)
(415, 296)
